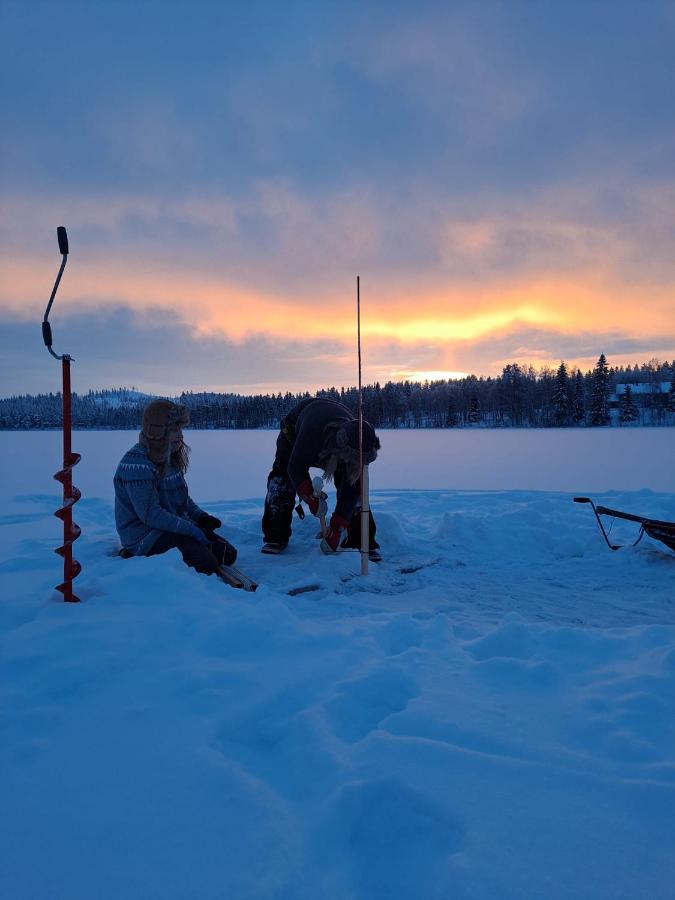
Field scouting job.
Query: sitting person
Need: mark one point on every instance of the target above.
(323, 434)
(153, 510)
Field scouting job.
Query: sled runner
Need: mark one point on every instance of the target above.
(659, 531)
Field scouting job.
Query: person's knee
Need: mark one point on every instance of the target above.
(280, 492)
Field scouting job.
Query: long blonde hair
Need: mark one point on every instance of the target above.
(180, 458)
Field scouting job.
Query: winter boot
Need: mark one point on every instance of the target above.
(273, 548)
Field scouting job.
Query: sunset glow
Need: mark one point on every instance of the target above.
(441, 375)
(451, 321)
(460, 313)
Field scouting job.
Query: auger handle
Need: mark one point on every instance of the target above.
(62, 237)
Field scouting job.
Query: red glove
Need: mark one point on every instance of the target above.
(337, 525)
(306, 494)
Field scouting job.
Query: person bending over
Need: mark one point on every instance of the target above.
(153, 509)
(322, 434)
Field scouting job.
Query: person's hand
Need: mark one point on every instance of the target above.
(209, 522)
(331, 541)
(317, 504)
(224, 552)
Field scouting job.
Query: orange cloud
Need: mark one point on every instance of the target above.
(434, 286)
(453, 315)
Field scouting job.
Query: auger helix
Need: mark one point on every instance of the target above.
(71, 531)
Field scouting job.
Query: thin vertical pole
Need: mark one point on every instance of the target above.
(363, 470)
(358, 338)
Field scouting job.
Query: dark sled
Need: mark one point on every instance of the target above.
(660, 531)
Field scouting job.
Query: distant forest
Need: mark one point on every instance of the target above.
(519, 397)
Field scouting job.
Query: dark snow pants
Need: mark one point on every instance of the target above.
(204, 558)
(280, 503)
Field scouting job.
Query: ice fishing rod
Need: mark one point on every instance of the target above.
(363, 470)
(71, 531)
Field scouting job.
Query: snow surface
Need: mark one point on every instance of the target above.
(490, 714)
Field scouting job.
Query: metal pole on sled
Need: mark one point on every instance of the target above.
(363, 470)
(71, 531)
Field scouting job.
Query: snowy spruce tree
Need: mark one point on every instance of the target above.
(671, 392)
(451, 418)
(600, 398)
(628, 411)
(512, 393)
(561, 396)
(578, 404)
(474, 410)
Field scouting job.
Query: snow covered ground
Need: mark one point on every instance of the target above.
(490, 714)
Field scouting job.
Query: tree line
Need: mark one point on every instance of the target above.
(519, 397)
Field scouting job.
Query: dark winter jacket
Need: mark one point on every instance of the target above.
(147, 503)
(304, 427)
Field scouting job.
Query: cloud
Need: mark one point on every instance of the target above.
(279, 265)
(280, 238)
(158, 353)
(564, 227)
(541, 347)
(454, 62)
(148, 136)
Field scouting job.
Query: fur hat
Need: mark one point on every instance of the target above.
(159, 418)
(341, 445)
(347, 438)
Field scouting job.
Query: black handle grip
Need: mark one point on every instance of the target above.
(47, 334)
(63, 240)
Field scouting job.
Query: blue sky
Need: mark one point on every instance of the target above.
(502, 176)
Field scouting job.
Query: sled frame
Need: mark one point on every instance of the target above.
(655, 528)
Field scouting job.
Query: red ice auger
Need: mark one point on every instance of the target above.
(71, 531)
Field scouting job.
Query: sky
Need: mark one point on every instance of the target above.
(501, 176)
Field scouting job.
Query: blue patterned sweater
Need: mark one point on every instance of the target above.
(147, 503)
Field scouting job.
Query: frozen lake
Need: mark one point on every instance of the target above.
(233, 465)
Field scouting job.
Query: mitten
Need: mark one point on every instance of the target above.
(332, 539)
(210, 523)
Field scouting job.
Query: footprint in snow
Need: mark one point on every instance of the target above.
(399, 840)
(361, 706)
